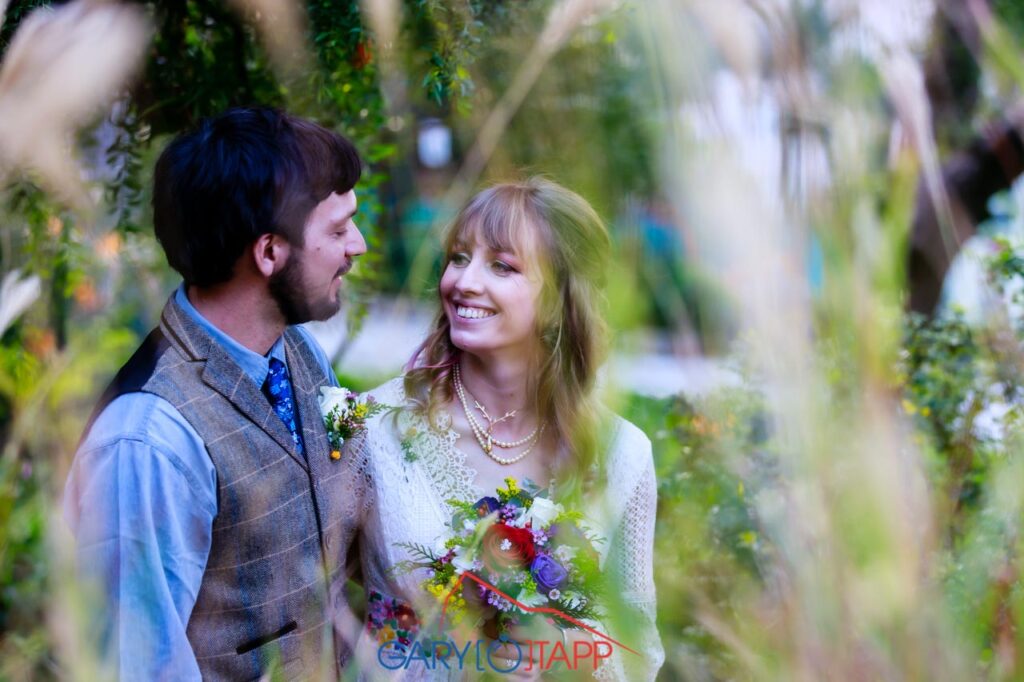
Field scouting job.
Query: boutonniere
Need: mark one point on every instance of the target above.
(345, 414)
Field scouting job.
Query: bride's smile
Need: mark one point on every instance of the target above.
(471, 313)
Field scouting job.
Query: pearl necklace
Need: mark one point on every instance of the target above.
(486, 438)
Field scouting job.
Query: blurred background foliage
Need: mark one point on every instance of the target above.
(739, 595)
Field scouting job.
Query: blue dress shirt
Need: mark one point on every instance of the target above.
(140, 499)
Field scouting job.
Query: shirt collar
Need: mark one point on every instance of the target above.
(253, 364)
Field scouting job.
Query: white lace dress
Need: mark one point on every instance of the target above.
(414, 469)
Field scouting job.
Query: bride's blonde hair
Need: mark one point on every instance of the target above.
(558, 231)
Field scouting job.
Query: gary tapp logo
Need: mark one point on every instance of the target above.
(483, 655)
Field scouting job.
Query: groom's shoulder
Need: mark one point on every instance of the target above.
(138, 416)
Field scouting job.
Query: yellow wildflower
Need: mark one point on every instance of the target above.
(436, 590)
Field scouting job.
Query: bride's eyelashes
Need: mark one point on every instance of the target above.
(498, 266)
(502, 268)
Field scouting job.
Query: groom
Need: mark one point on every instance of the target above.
(203, 497)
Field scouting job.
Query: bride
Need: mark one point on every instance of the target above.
(504, 387)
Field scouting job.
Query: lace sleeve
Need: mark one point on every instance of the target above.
(631, 559)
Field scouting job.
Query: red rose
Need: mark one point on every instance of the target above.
(507, 547)
(406, 617)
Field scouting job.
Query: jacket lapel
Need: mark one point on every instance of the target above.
(224, 376)
(306, 388)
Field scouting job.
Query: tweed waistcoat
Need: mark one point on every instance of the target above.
(284, 520)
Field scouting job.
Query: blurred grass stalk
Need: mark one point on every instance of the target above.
(61, 71)
(851, 589)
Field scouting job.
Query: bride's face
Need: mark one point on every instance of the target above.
(490, 298)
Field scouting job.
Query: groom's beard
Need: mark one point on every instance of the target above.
(296, 305)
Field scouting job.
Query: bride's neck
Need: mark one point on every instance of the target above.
(500, 387)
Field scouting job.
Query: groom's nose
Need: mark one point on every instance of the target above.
(356, 244)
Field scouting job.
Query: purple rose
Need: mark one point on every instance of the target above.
(547, 572)
(486, 505)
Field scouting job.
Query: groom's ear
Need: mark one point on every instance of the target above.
(269, 253)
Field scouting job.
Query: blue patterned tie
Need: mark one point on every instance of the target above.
(279, 390)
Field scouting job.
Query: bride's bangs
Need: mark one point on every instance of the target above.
(500, 217)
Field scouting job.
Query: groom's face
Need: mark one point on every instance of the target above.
(307, 287)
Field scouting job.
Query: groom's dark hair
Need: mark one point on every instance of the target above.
(244, 173)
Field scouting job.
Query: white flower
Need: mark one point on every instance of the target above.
(574, 600)
(530, 598)
(332, 397)
(463, 560)
(520, 519)
(564, 553)
(542, 512)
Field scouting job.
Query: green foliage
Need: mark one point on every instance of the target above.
(23, 563)
(451, 35)
(204, 58)
(965, 393)
(941, 363)
(711, 463)
(1011, 16)
(964, 381)
(716, 468)
(596, 82)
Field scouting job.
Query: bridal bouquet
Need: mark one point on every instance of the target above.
(513, 553)
(345, 414)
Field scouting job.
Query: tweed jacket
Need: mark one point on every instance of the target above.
(285, 519)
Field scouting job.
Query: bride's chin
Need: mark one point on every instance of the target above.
(460, 341)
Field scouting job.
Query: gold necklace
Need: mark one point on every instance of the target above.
(486, 438)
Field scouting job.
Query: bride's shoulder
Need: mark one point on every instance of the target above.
(391, 392)
(398, 416)
(624, 434)
(630, 448)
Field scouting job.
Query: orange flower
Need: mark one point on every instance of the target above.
(40, 342)
(363, 55)
(86, 295)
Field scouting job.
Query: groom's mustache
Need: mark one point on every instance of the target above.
(344, 270)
